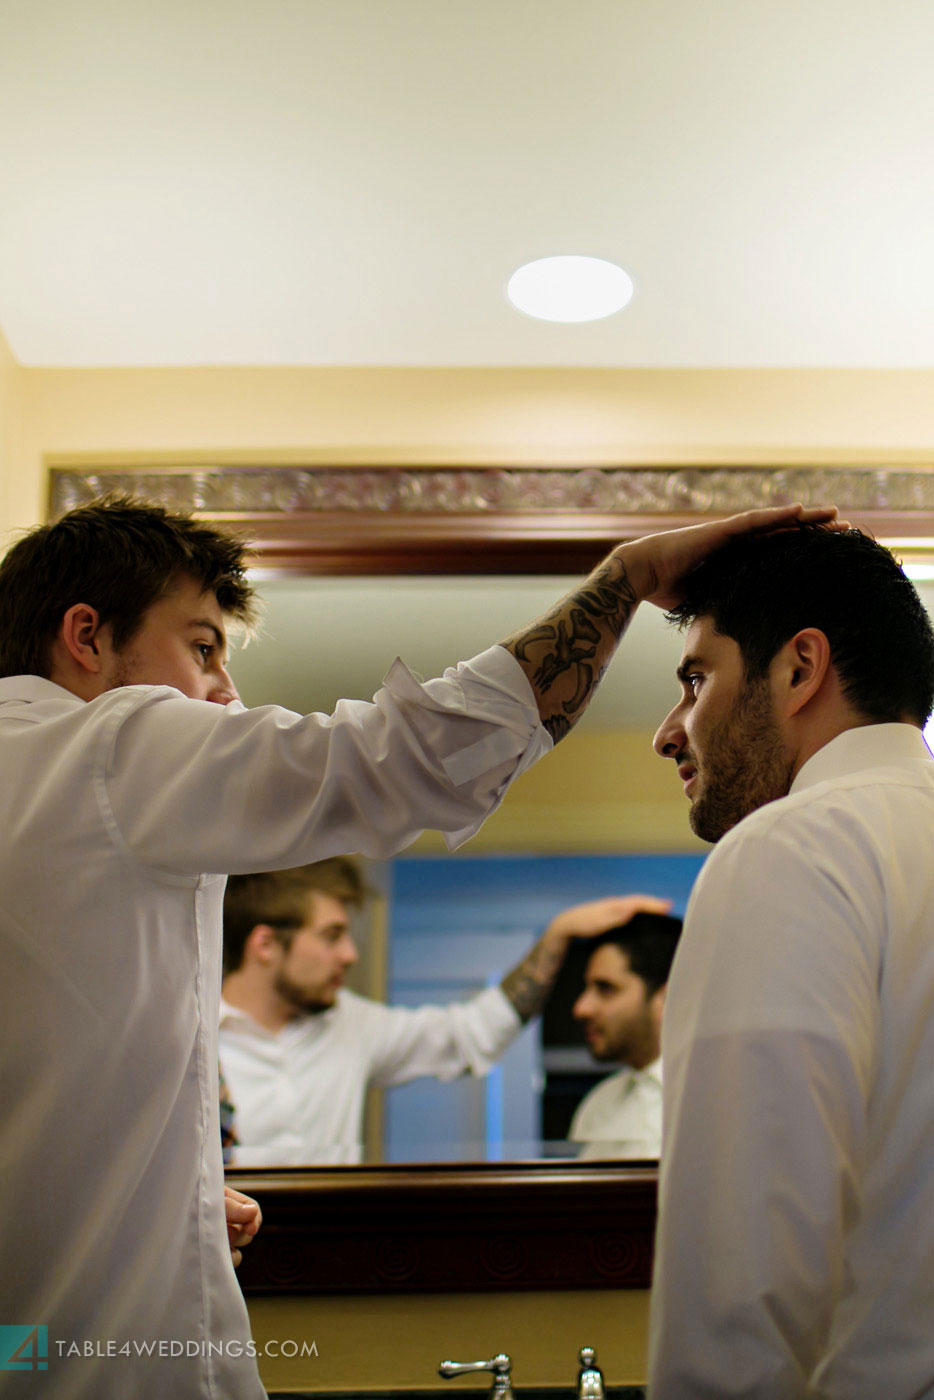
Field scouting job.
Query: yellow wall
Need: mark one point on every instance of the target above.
(397, 1342)
(456, 415)
(599, 792)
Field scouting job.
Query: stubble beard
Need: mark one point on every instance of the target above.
(634, 1044)
(300, 1000)
(745, 765)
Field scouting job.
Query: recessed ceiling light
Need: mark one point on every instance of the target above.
(570, 288)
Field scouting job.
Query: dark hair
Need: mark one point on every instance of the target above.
(763, 590)
(119, 555)
(649, 942)
(280, 898)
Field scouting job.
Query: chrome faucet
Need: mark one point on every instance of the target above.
(500, 1365)
(590, 1377)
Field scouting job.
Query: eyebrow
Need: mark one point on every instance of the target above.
(689, 664)
(198, 622)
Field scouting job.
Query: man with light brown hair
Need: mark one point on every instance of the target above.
(299, 1050)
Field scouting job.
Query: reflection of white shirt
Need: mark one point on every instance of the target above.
(110, 936)
(298, 1093)
(621, 1117)
(796, 1230)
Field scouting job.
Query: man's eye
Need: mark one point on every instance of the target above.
(693, 681)
(204, 650)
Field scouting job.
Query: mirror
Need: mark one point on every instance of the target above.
(450, 925)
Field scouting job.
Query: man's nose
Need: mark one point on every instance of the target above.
(349, 954)
(581, 1008)
(223, 689)
(670, 739)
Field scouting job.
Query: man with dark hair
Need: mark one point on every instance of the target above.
(796, 1226)
(299, 1050)
(621, 1010)
(130, 774)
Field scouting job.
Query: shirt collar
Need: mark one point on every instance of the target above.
(855, 750)
(34, 688)
(230, 1015)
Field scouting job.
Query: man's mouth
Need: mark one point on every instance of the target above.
(688, 774)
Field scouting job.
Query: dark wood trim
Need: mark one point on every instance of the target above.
(428, 1229)
(335, 543)
(338, 544)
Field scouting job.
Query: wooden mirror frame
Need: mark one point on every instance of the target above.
(488, 1226)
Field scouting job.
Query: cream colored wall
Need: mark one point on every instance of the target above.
(396, 1342)
(459, 415)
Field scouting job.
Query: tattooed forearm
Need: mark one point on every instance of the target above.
(565, 653)
(529, 984)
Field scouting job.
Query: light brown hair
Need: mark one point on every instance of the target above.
(280, 898)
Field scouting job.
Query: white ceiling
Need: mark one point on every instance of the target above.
(353, 181)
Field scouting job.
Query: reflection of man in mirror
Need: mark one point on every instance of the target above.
(131, 773)
(620, 1010)
(299, 1050)
(795, 1248)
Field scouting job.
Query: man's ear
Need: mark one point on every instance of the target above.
(79, 636)
(261, 944)
(801, 668)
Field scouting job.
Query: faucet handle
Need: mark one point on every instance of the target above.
(500, 1365)
(590, 1378)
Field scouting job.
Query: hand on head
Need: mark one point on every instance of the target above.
(658, 563)
(597, 915)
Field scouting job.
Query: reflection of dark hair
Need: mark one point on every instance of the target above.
(280, 898)
(119, 556)
(649, 942)
(762, 590)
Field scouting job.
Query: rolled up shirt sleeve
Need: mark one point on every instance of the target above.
(188, 786)
(443, 1041)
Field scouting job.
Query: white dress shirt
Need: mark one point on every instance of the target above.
(299, 1093)
(621, 1117)
(795, 1250)
(110, 945)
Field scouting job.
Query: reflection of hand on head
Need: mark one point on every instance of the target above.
(597, 915)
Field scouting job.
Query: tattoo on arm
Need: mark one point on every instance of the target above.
(566, 652)
(529, 984)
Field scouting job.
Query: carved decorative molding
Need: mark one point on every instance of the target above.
(493, 491)
(510, 1226)
(488, 520)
